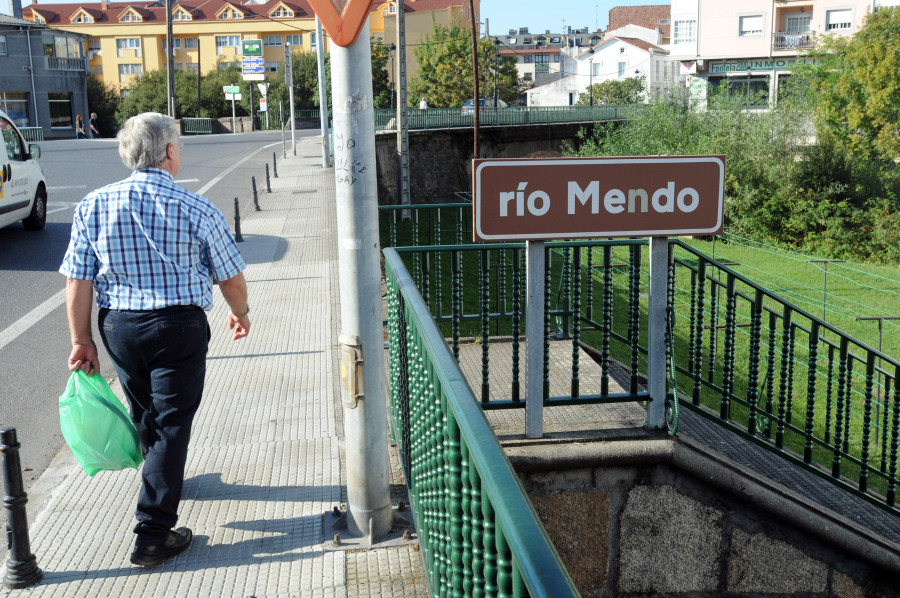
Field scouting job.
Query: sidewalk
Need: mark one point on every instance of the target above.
(266, 466)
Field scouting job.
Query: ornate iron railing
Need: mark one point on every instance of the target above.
(478, 532)
(744, 357)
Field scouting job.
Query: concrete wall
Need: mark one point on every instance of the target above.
(441, 160)
(667, 517)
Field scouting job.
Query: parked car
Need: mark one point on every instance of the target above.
(23, 191)
(469, 106)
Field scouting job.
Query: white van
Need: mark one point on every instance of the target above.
(23, 191)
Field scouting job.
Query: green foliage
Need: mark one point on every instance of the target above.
(615, 92)
(856, 86)
(381, 84)
(811, 197)
(445, 76)
(103, 99)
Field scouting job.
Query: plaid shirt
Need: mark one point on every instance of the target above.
(147, 243)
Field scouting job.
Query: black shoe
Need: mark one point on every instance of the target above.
(176, 543)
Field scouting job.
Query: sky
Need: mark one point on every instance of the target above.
(503, 15)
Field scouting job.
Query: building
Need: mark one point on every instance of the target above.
(753, 45)
(540, 57)
(656, 17)
(42, 76)
(127, 39)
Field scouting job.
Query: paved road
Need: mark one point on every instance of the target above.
(34, 333)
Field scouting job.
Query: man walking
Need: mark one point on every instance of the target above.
(151, 251)
(95, 126)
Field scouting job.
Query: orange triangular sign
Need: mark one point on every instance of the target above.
(343, 28)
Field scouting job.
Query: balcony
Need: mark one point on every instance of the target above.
(65, 64)
(803, 40)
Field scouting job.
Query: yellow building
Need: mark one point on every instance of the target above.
(128, 39)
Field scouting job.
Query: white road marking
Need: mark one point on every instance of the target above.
(66, 187)
(187, 181)
(228, 170)
(37, 314)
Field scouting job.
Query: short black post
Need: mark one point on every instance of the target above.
(268, 186)
(274, 165)
(21, 566)
(255, 198)
(237, 222)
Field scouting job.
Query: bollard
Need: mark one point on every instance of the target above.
(274, 165)
(237, 222)
(21, 566)
(255, 198)
(268, 186)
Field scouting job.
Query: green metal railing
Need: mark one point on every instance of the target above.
(194, 126)
(477, 530)
(443, 118)
(32, 133)
(744, 357)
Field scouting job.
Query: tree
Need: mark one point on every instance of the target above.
(103, 99)
(615, 92)
(445, 69)
(381, 83)
(856, 87)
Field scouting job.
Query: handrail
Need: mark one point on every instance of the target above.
(462, 487)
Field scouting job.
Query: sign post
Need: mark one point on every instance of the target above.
(579, 198)
(289, 81)
(232, 92)
(264, 100)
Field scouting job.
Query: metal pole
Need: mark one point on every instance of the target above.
(274, 162)
(535, 273)
(21, 566)
(37, 121)
(250, 87)
(238, 238)
(403, 191)
(170, 62)
(233, 125)
(477, 107)
(198, 76)
(289, 81)
(255, 196)
(880, 320)
(825, 281)
(368, 495)
(268, 184)
(656, 333)
(323, 97)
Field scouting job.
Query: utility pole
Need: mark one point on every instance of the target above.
(477, 106)
(170, 62)
(323, 99)
(369, 510)
(403, 194)
(289, 81)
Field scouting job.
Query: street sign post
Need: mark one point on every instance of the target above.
(232, 92)
(578, 198)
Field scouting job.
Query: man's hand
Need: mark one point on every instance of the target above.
(240, 326)
(84, 357)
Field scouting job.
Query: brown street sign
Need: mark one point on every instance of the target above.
(567, 198)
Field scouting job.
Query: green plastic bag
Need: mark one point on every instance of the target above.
(96, 425)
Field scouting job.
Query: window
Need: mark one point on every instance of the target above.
(312, 40)
(513, 41)
(124, 93)
(543, 63)
(556, 58)
(273, 40)
(60, 110)
(622, 50)
(13, 143)
(282, 13)
(527, 76)
(554, 40)
(798, 24)
(191, 43)
(272, 67)
(622, 67)
(293, 40)
(527, 41)
(179, 66)
(542, 41)
(83, 18)
(97, 70)
(193, 67)
(128, 43)
(3, 45)
(596, 67)
(224, 66)
(750, 26)
(685, 32)
(228, 41)
(663, 21)
(128, 70)
(61, 47)
(529, 59)
(181, 15)
(15, 105)
(176, 43)
(836, 20)
(130, 17)
(93, 45)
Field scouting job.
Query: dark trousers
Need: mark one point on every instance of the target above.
(160, 357)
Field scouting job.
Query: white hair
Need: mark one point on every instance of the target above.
(144, 139)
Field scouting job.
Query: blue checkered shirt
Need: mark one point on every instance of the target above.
(147, 243)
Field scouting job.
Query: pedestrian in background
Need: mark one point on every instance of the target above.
(95, 126)
(423, 105)
(151, 252)
(79, 127)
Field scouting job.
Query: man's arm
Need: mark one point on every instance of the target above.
(234, 290)
(79, 301)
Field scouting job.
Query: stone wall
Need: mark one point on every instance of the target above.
(642, 519)
(441, 160)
